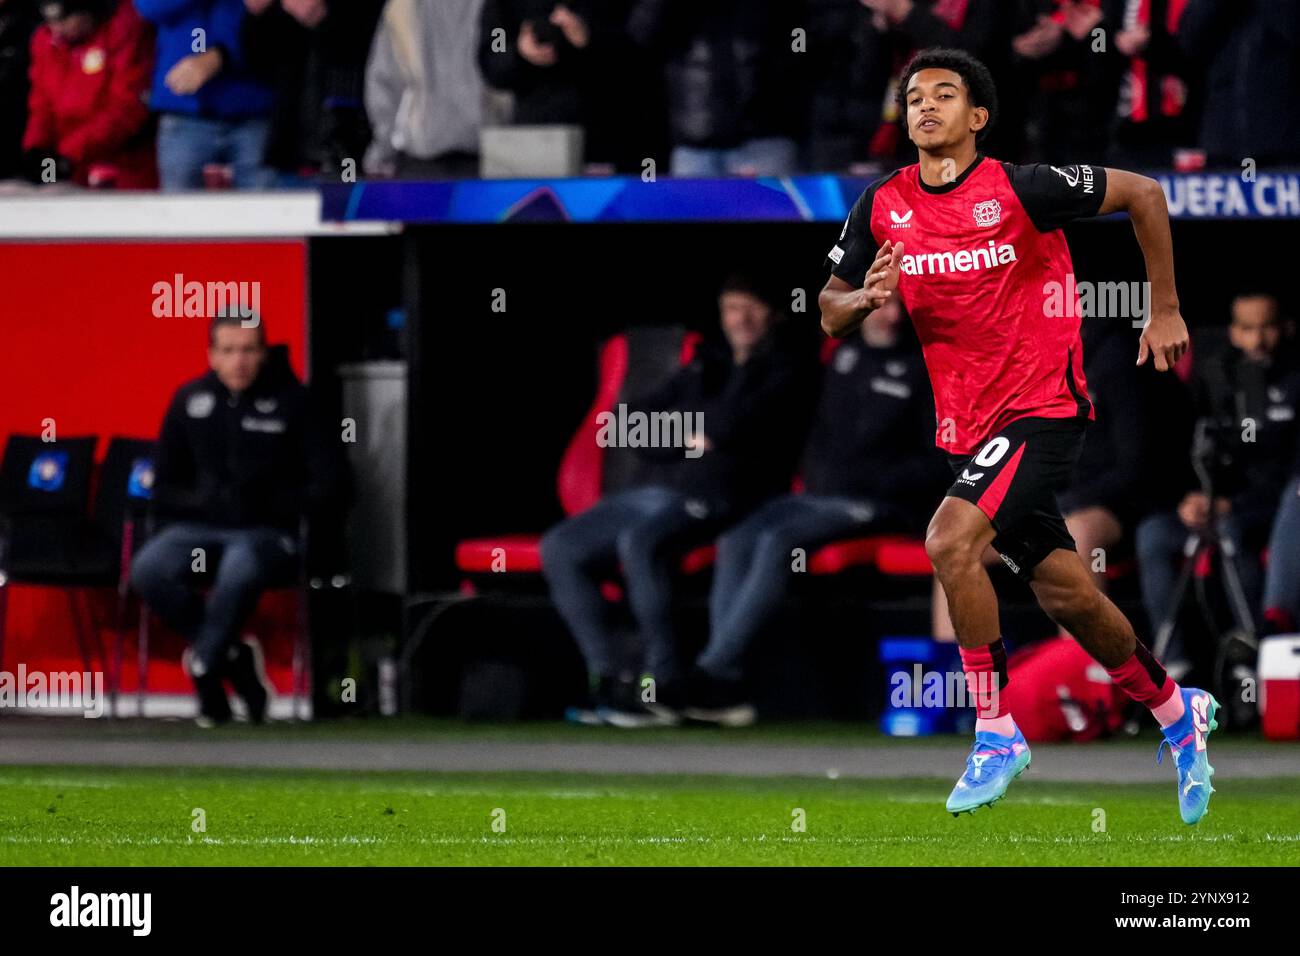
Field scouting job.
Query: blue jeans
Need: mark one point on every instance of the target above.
(646, 530)
(188, 143)
(1282, 580)
(1159, 542)
(755, 566)
(244, 562)
(770, 156)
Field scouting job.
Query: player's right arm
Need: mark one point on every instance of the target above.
(844, 307)
(864, 274)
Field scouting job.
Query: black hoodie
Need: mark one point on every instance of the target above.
(258, 458)
(873, 435)
(754, 416)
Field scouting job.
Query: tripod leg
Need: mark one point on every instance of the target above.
(1237, 650)
(1192, 548)
(1241, 613)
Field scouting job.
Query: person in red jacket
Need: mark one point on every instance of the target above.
(88, 114)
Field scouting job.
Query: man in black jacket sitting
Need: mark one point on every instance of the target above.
(240, 459)
(735, 410)
(869, 467)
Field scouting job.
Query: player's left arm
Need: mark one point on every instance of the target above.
(1165, 336)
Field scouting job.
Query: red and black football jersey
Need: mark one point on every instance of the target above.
(980, 255)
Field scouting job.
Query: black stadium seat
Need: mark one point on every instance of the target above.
(46, 535)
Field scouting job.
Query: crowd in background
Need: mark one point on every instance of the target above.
(184, 94)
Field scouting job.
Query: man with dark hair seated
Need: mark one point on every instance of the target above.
(240, 459)
(870, 466)
(735, 406)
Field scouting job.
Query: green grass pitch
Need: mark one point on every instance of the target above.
(117, 816)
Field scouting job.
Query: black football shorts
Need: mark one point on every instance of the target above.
(1014, 478)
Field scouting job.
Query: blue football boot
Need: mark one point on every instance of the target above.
(993, 763)
(1186, 740)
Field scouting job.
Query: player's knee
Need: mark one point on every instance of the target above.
(951, 548)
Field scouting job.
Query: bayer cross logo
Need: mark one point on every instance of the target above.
(987, 213)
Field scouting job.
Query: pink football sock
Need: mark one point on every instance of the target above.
(986, 675)
(1003, 726)
(1171, 711)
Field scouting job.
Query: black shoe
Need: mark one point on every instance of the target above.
(716, 701)
(603, 693)
(623, 705)
(246, 672)
(214, 707)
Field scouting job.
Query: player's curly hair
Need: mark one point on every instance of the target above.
(976, 76)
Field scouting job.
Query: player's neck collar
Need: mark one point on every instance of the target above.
(949, 187)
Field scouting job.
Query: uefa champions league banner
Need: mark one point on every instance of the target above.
(822, 198)
(1229, 196)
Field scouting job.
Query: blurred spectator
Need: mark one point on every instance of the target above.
(241, 458)
(1249, 51)
(1103, 500)
(213, 111)
(424, 95)
(312, 53)
(555, 59)
(870, 466)
(1154, 115)
(18, 20)
(736, 89)
(1072, 73)
(847, 81)
(730, 458)
(906, 26)
(87, 120)
(1251, 397)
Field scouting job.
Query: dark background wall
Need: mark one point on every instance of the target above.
(496, 395)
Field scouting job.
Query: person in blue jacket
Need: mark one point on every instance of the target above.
(211, 109)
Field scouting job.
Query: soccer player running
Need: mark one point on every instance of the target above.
(974, 248)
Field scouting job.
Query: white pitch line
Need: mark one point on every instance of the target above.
(582, 840)
(66, 783)
(418, 791)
